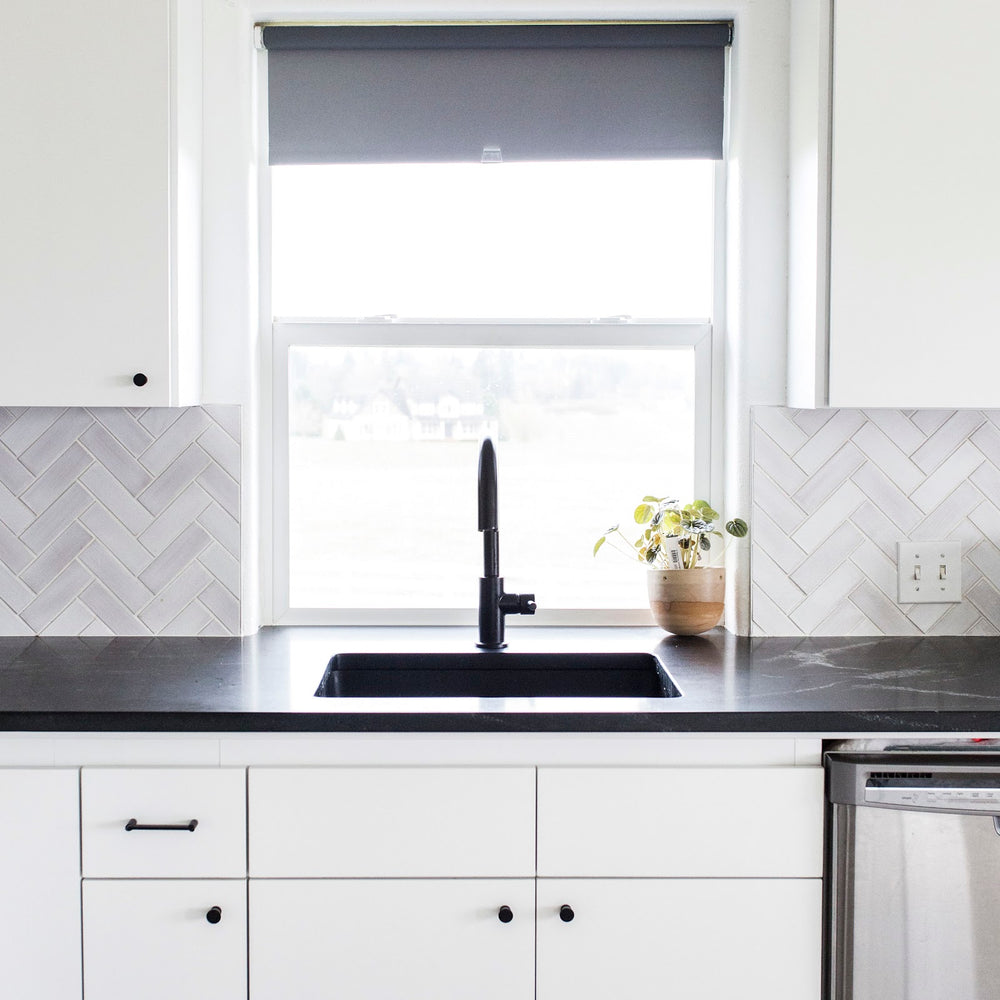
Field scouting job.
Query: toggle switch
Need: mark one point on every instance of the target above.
(929, 572)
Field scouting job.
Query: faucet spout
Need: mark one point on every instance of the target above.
(494, 604)
(488, 508)
(487, 486)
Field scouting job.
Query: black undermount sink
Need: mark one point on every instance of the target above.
(491, 674)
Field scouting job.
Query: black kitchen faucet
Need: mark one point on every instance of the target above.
(494, 604)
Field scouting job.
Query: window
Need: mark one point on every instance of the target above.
(562, 308)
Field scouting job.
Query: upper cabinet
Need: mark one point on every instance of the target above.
(100, 200)
(914, 207)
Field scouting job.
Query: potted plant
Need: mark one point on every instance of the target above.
(686, 593)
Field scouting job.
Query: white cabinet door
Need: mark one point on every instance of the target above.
(386, 939)
(40, 880)
(159, 939)
(98, 196)
(914, 293)
(686, 939)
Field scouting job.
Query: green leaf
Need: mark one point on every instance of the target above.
(651, 499)
(737, 527)
(705, 542)
(643, 513)
(599, 543)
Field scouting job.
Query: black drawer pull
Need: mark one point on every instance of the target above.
(505, 914)
(134, 824)
(214, 915)
(566, 913)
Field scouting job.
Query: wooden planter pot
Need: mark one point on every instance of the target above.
(687, 601)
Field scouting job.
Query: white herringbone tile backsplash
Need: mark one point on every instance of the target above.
(835, 490)
(120, 521)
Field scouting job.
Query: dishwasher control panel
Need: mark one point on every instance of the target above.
(978, 799)
(939, 782)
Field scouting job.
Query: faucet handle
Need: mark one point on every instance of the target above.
(517, 604)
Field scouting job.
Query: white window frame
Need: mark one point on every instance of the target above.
(630, 334)
(706, 337)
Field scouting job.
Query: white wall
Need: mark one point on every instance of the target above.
(232, 346)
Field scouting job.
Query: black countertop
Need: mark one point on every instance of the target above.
(729, 684)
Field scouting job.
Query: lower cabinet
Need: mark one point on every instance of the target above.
(423, 883)
(374, 939)
(164, 939)
(690, 939)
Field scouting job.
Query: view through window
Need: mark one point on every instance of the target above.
(383, 439)
(383, 461)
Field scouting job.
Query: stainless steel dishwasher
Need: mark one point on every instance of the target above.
(913, 877)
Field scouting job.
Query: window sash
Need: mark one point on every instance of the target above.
(632, 334)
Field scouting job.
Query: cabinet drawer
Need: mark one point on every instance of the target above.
(171, 797)
(680, 822)
(357, 822)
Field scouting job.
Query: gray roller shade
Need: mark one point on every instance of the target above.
(446, 93)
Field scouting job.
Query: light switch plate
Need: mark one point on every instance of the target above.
(929, 572)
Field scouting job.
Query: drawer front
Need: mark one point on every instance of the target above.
(681, 822)
(170, 797)
(384, 822)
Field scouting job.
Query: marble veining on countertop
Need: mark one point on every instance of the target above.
(729, 684)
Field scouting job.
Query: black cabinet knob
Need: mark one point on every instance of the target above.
(566, 913)
(139, 379)
(505, 914)
(214, 915)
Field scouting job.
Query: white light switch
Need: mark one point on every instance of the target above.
(929, 572)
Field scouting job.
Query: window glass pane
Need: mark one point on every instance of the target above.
(507, 240)
(383, 467)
